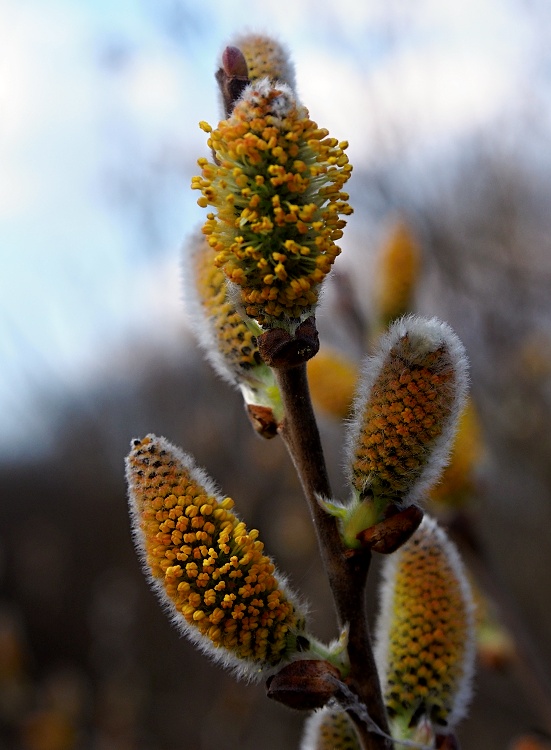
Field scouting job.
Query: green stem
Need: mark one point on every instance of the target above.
(347, 572)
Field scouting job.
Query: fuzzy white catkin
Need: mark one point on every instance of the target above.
(424, 336)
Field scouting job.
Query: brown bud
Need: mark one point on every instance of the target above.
(388, 535)
(263, 420)
(234, 63)
(281, 350)
(232, 77)
(305, 684)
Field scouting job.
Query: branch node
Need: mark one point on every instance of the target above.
(283, 350)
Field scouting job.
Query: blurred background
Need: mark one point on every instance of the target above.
(447, 110)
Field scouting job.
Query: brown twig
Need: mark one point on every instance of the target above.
(347, 573)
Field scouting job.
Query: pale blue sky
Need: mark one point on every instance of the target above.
(99, 104)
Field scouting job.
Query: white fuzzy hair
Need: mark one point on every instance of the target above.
(433, 533)
(240, 39)
(248, 670)
(425, 335)
(279, 107)
(201, 324)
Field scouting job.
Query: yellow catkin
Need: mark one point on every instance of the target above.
(425, 638)
(265, 57)
(276, 187)
(228, 338)
(332, 380)
(330, 729)
(222, 590)
(406, 411)
(457, 484)
(397, 273)
(234, 339)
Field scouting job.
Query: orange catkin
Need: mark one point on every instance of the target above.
(220, 588)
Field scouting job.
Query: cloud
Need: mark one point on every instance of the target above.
(41, 96)
(71, 122)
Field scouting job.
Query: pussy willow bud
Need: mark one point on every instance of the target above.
(228, 339)
(276, 188)
(397, 274)
(425, 644)
(209, 571)
(329, 729)
(265, 58)
(406, 409)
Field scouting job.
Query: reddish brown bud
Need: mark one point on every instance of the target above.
(305, 684)
(388, 535)
(281, 350)
(232, 77)
(234, 63)
(263, 420)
